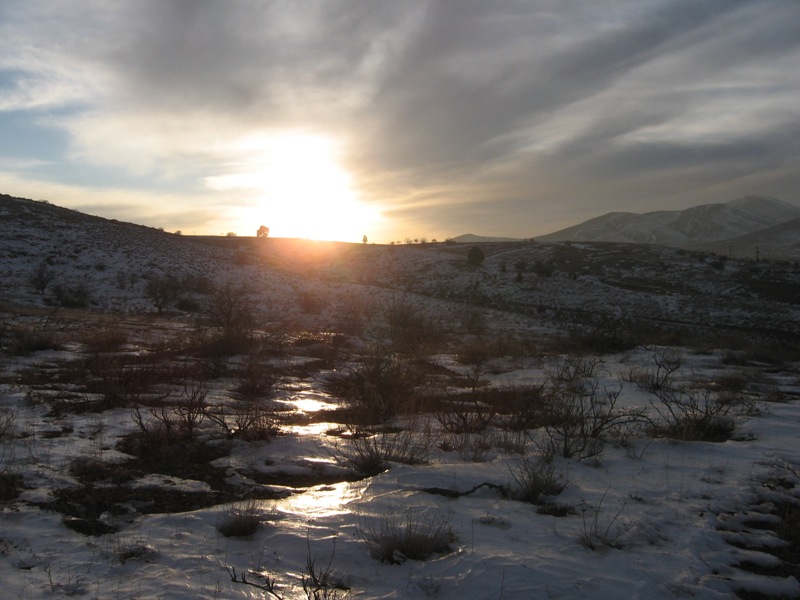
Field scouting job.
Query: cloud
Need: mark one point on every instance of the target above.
(447, 112)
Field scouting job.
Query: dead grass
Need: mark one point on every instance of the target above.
(241, 520)
(411, 535)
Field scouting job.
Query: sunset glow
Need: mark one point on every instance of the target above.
(293, 183)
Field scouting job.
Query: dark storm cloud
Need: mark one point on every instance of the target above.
(431, 113)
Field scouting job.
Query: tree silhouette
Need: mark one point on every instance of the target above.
(262, 232)
(475, 256)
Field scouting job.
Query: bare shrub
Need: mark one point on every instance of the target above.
(40, 277)
(72, 296)
(511, 441)
(352, 310)
(521, 408)
(466, 413)
(104, 340)
(253, 422)
(255, 380)
(481, 350)
(120, 380)
(602, 531)
(536, 476)
(322, 583)
(10, 485)
(580, 418)
(700, 415)
(310, 302)
(407, 325)
(24, 340)
(269, 585)
(380, 386)
(471, 318)
(470, 446)
(135, 550)
(240, 521)
(412, 535)
(162, 291)
(371, 454)
(231, 312)
(657, 377)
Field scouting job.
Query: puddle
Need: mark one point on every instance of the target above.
(308, 401)
(323, 501)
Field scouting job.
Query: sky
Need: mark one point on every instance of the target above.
(395, 120)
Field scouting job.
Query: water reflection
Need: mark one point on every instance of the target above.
(323, 501)
(309, 401)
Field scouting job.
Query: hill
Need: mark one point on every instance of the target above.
(570, 419)
(471, 238)
(698, 226)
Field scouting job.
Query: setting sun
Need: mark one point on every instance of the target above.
(295, 185)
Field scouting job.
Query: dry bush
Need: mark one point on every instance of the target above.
(657, 377)
(408, 327)
(10, 485)
(72, 296)
(104, 340)
(412, 535)
(602, 531)
(471, 318)
(255, 380)
(698, 415)
(470, 447)
(231, 311)
(120, 380)
(579, 417)
(481, 350)
(534, 477)
(162, 291)
(24, 340)
(322, 584)
(511, 441)
(370, 454)
(379, 387)
(137, 549)
(466, 413)
(616, 337)
(311, 302)
(240, 521)
(250, 423)
(352, 310)
(521, 408)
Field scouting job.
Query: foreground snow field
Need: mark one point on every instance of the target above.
(666, 518)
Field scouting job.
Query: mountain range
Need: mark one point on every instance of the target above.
(743, 227)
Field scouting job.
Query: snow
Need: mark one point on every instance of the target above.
(667, 519)
(668, 507)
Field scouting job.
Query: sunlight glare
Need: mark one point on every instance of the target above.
(299, 187)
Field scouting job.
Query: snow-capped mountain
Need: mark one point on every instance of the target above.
(699, 225)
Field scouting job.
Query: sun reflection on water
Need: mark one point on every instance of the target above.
(308, 401)
(323, 501)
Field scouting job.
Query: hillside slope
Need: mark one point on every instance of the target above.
(705, 224)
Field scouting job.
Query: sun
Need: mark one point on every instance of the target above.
(298, 188)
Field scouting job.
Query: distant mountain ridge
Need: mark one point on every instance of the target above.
(471, 238)
(700, 226)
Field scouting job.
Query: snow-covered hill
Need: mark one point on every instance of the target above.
(780, 241)
(471, 238)
(607, 286)
(705, 224)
